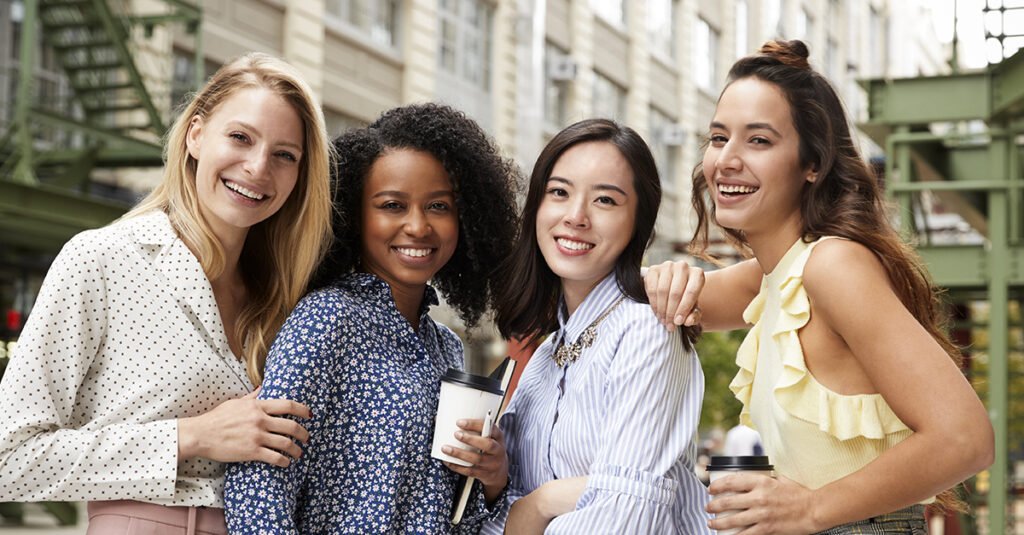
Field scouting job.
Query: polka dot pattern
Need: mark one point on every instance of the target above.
(124, 338)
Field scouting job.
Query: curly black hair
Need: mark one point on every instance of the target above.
(485, 195)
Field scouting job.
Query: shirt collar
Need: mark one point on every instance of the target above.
(374, 286)
(594, 304)
(154, 228)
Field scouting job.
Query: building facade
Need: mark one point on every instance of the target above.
(522, 68)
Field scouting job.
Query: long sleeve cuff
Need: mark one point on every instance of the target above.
(629, 481)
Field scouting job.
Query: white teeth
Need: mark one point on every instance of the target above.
(243, 191)
(415, 253)
(575, 245)
(735, 188)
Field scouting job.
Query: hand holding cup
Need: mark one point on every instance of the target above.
(744, 499)
(487, 459)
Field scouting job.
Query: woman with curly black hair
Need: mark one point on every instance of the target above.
(422, 195)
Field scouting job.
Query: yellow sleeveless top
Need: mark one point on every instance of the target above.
(812, 435)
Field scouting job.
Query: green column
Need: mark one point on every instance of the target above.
(998, 403)
(29, 23)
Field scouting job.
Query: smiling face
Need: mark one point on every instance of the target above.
(752, 164)
(410, 225)
(586, 217)
(248, 152)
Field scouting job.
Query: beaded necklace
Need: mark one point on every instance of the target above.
(567, 354)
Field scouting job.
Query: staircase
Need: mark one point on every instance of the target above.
(109, 118)
(960, 139)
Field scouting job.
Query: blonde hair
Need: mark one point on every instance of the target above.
(281, 252)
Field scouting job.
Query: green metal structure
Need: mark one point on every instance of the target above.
(54, 144)
(959, 138)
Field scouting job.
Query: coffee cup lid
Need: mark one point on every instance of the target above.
(473, 381)
(740, 462)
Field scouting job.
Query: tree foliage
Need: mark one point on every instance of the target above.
(717, 351)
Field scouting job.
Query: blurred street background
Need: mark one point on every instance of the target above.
(88, 87)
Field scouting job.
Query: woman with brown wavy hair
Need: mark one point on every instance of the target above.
(846, 372)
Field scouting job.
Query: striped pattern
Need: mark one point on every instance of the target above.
(625, 414)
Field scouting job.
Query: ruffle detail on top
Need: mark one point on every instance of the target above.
(797, 391)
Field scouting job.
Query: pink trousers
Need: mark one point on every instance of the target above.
(139, 518)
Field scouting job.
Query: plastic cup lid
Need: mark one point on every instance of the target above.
(473, 381)
(740, 462)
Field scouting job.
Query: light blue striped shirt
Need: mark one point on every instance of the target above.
(625, 414)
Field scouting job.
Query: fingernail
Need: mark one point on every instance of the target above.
(447, 449)
(680, 320)
(462, 423)
(459, 435)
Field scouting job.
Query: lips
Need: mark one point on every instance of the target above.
(415, 252)
(733, 190)
(243, 191)
(574, 245)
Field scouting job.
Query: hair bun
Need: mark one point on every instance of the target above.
(793, 53)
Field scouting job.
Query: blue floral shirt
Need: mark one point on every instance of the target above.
(372, 383)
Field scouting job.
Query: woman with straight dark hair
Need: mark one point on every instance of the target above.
(847, 371)
(601, 430)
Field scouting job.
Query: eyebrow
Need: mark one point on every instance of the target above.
(596, 187)
(403, 194)
(750, 126)
(248, 126)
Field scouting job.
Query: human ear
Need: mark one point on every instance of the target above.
(812, 175)
(194, 136)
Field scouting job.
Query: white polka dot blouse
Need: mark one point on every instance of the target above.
(124, 338)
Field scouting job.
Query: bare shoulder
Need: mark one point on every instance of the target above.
(838, 268)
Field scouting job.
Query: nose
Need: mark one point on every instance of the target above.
(256, 162)
(576, 215)
(416, 224)
(729, 158)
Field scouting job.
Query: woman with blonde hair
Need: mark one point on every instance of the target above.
(134, 377)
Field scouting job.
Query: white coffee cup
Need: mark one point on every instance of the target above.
(463, 396)
(722, 466)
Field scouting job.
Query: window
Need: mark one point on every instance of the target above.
(609, 98)
(51, 90)
(465, 41)
(805, 26)
(876, 43)
(773, 16)
(377, 19)
(613, 11)
(556, 92)
(742, 29)
(666, 137)
(183, 76)
(832, 59)
(705, 49)
(661, 27)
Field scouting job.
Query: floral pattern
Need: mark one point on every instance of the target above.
(372, 383)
